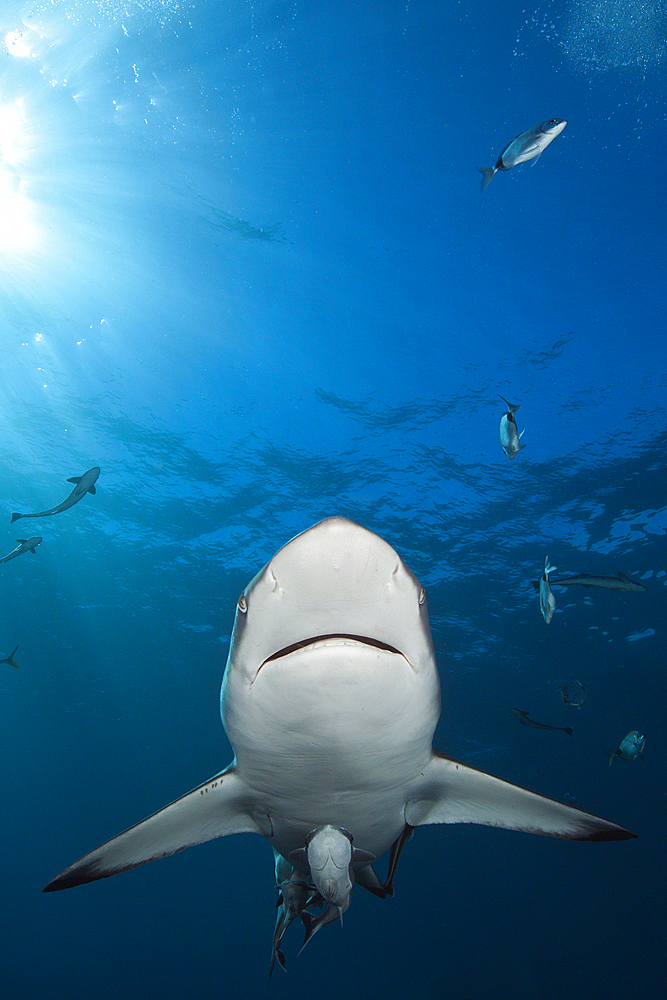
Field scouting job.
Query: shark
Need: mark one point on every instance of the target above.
(82, 485)
(620, 582)
(330, 698)
(10, 659)
(24, 545)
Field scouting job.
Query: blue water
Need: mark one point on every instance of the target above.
(246, 269)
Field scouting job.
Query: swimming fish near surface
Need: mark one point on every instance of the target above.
(547, 599)
(509, 436)
(24, 545)
(630, 747)
(10, 659)
(330, 699)
(620, 582)
(82, 485)
(528, 145)
(573, 693)
(522, 717)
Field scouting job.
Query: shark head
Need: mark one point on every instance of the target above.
(331, 655)
(336, 580)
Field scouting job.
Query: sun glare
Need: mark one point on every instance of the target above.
(18, 231)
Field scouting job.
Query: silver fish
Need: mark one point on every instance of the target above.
(547, 599)
(528, 145)
(573, 693)
(509, 436)
(630, 747)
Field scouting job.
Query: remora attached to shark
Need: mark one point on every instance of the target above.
(330, 699)
(82, 485)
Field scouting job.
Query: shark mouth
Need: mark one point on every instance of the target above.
(363, 639)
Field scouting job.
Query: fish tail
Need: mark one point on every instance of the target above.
(487, 173)
(10, 659)
(512, 407)
(568, 730)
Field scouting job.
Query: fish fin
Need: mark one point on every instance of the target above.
(362, 857)
(511, 407)
(367, 878)
(536, 158)
(394, 855)
(300, 856)
(609, 753)
(521, 435)
(536, 585)
(15, 517)
(75, 479)
(487, 174)
(21, 540)
(32, 550)
(221, 806)
(568, 729)
(453, 792)
(91, 489)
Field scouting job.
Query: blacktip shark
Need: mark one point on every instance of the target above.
(10, 659)
(509, 436)
(82, 485)
(24, 545)
(528, 145)
(547, 599)
(620, 582)
(330, 699)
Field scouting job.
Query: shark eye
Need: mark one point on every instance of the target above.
(422, 596)
(243, 604)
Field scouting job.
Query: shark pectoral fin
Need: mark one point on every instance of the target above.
(219, 807)
(453, 792)
(300, 856)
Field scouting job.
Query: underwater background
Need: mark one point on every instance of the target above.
(246, 268)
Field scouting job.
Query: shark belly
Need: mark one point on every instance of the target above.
(332, 733)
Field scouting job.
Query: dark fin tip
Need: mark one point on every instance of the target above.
(15, 517)
(569, 731)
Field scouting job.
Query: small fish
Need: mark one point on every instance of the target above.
(24, 545)
(528, 145)
(573, 693)
(509, 436)
(630, 747)
(522, 717)
(620, 582)
(83, 484)
(292, 901)
(547, 599)
(10, 659)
